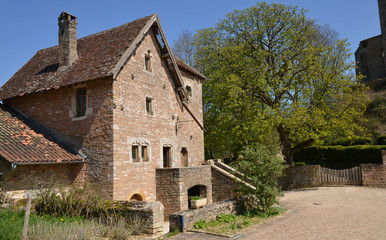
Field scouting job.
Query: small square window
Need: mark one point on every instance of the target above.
(148, 63)
(144, 154)
(149, 106)
(80, 102)
(134, 153)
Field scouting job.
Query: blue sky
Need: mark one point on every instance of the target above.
(27, 26)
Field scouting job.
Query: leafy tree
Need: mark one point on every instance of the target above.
(260, 167)
(271, 71)
(184, 47)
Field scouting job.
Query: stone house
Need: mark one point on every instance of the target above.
(116, 108)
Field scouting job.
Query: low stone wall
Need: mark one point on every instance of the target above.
(209, 212)
(374, 175)
(300, 177)
(151, 213)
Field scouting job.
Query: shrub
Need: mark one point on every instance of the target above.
(196, 198)
(261, 168)
(351, 141)
(381, 140)
(200, 224)
(340, 157)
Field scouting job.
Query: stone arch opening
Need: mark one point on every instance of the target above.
(136, 197)
(197, 190)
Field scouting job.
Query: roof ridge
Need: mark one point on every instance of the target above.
(99, 33)
(114, 28)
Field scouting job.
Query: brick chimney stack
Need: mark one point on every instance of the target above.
(68, 53)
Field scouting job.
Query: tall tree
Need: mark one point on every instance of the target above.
(271, 70)
(184, 47)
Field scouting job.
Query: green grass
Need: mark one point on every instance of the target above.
(11, 222)
(230, 224)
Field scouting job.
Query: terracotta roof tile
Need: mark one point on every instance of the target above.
(184, 65)
(98, 54)
(21, 143)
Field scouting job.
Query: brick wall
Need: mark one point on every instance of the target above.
(173, 185)
(92, 135)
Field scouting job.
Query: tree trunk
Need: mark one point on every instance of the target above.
(289, 151)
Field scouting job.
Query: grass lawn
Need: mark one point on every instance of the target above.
(11, 222)
(230, 224)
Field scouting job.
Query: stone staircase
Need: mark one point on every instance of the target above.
(228, 171)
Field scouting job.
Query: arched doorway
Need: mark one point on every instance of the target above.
(184, 158)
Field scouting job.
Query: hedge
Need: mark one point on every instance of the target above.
(340, 157)
(381, 140)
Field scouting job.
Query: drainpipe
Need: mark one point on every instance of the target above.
(13, 167)
(182, 223)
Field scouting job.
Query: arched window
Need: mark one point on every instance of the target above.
(136, 197)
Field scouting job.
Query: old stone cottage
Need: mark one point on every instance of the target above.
(116, 108)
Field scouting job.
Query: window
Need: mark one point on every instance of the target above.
(144, 155)
(184, 157)
(148, 63)
(134, 153)
(81, 102)
(149, 106)
(189, 91)
(166, 157)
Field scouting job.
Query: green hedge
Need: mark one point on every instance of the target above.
(351, 142)
(340, 157)
(381, 140)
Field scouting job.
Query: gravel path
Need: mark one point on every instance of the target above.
(323, 213)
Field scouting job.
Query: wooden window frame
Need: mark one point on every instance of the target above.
(148, 63)
(135, 153)
(144, 153)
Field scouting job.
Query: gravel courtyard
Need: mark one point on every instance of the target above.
(323, 213)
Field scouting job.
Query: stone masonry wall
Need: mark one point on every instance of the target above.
(222, 186)
(207, 213)
(133, 126)
(173, 185)
(26, 177)
(92, 134)
(301, 176)
(374, 175)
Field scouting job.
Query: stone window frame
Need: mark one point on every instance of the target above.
(139, 143)
(148, 62)
(189, 91)
(73, 110)
(151, 106)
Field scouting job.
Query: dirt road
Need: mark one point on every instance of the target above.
(323, 213)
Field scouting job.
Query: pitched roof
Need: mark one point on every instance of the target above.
(188, 68)
(98, 55)
(22, 143)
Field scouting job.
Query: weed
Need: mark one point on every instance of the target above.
(200, 224)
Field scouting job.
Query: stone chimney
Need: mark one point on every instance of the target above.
(68, 53)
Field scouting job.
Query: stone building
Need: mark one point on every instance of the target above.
(370, 56)
(119, 103)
